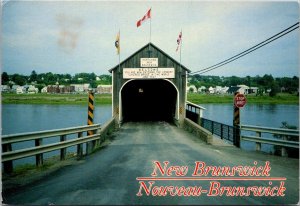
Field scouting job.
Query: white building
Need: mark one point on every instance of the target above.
(86, 87)
(5, 88)
(221, 90)
(44, 90)
(32, 89)
(80, 88)
(20, 90)
(104, 89)
(14, 88)
(201, 89)
(191, 88)
(243, 89)
(211, 90)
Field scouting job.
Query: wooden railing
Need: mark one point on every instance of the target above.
(94, 140)
(258, 139)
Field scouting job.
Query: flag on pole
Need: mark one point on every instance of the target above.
(179, 40)
(117, 43)
(145, 17)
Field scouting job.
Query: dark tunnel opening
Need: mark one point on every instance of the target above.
(149, 100)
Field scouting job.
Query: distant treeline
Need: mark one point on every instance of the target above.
(283, 84)
(51, 79)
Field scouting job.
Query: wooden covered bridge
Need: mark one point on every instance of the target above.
(149, 86)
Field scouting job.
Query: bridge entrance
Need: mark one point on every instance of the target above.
(149, 86)
(149, 100)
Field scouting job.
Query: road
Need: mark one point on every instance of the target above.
(109, 175)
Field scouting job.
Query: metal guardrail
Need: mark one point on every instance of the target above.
(258, 139)
(21, 137)
(283, 143)
(7, 140)
(280, 131)
(219, 129)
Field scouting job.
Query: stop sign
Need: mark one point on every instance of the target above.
(240, 100)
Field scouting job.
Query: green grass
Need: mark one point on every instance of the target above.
(80, 99)
(281, 98)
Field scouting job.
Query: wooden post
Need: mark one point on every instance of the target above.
(221, 131)
(90, 145)
(63, 152)
(283, 149)
(38, 157)
(7, 166)
(79, 147)
(236, 124)
(258, 144)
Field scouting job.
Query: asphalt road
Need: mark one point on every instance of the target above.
(109, 175)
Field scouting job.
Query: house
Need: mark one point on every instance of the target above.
(5, 88)
(14, 88)
(221, 90)
(52, 89)
(78, 88)
(234, 89)
(60, 89)
(211, 90)
(252, 90)
(20, 90)
(244, 89)
(32, 89)
(201, 89)
(104, 89)
(192, 89)
(86, 87)
(44, 90)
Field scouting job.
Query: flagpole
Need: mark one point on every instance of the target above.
(119, 50)
(180, 48)
(150, 31)
(150, 34)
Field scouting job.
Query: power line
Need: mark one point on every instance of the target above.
(257, 46)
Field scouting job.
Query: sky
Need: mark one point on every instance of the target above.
(79, 36)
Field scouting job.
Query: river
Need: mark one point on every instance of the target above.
(19, 118)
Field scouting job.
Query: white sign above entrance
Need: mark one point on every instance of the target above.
(148, 73)
(149, 62)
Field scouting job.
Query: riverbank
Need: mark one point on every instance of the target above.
(281, 98)
(66, 99)
(54, 99)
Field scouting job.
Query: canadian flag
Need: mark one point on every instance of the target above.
(145, 17)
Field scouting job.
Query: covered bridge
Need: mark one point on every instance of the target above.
(149, 86)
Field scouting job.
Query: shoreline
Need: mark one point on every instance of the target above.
(105, 99)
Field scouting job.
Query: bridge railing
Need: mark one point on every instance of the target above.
(219, 129)
(193, 112)
(258, 139)
(9, 155)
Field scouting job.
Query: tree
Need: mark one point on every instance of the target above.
(19, 79)
(4, 78)
(274, 89)
(33, 76)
